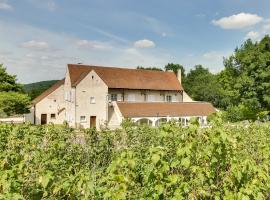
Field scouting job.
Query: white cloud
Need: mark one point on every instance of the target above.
(164, 34)
(51, 5)
(213, 55)
(30, 55)
(44, 57)
(4, 5)
(252, 35)
(105, 33)
(238, 21)
(145, 43)
(154, 25)
(94, 44)
(266, 28)
(36, 45)
(200, 15)
(44, 4)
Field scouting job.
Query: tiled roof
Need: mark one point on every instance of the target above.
(48, 91)
(127, 78)
(154, 109)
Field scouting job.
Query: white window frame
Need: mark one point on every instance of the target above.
(92, 100)
(82, 120)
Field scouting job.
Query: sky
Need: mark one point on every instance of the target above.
(38, 38)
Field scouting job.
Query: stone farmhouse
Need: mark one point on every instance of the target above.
(94, 96)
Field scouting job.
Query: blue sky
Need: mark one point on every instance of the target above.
(39, 37)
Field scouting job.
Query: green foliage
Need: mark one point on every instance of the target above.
(8, 82)
(12, 99)
(35, 89)
(240, 112)
(202, 85)
(242, 88)
(150, 68)
(12, 103)
(246, 76)
(175, 68)
(136, 162)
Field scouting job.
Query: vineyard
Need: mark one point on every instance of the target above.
(137, 162)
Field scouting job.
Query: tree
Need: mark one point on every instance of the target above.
(175, 68)
(35, 89)
(12, 99)
(246, 76)
(8, 82)
(202, 85)
(150, 68)
(12, 103)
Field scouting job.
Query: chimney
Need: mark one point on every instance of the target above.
(179, 76)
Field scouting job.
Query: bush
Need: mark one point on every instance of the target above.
(12, 103)
(140, 162)
(241, 112)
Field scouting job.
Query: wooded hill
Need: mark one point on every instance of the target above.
(35, 89)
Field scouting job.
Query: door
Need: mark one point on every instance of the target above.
(93, 120)
(43, 119)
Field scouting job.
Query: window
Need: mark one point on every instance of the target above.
(131, 97)
(53, 116)
(66, 96)
(113, 97)
(92, 100)
(72, 96)
(82, 119)
(68, 117)
(169, 98)
(151, 98)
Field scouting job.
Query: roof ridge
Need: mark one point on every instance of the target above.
(121, 68)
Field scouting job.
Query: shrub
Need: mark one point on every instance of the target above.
(136, 162)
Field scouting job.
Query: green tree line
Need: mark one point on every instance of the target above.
(242, 88)
(13, 100)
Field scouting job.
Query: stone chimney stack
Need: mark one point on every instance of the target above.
(179, 76)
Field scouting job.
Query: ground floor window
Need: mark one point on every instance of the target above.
(82, 119)
(53, 116)
(113, 97)
(169, 98)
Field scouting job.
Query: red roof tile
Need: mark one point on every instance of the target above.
(127, 78)
(163, 109)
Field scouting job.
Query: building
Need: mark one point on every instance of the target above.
(94, 96)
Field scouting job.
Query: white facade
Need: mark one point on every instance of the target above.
(51, 109)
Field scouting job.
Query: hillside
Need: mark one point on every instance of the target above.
(35, 89)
